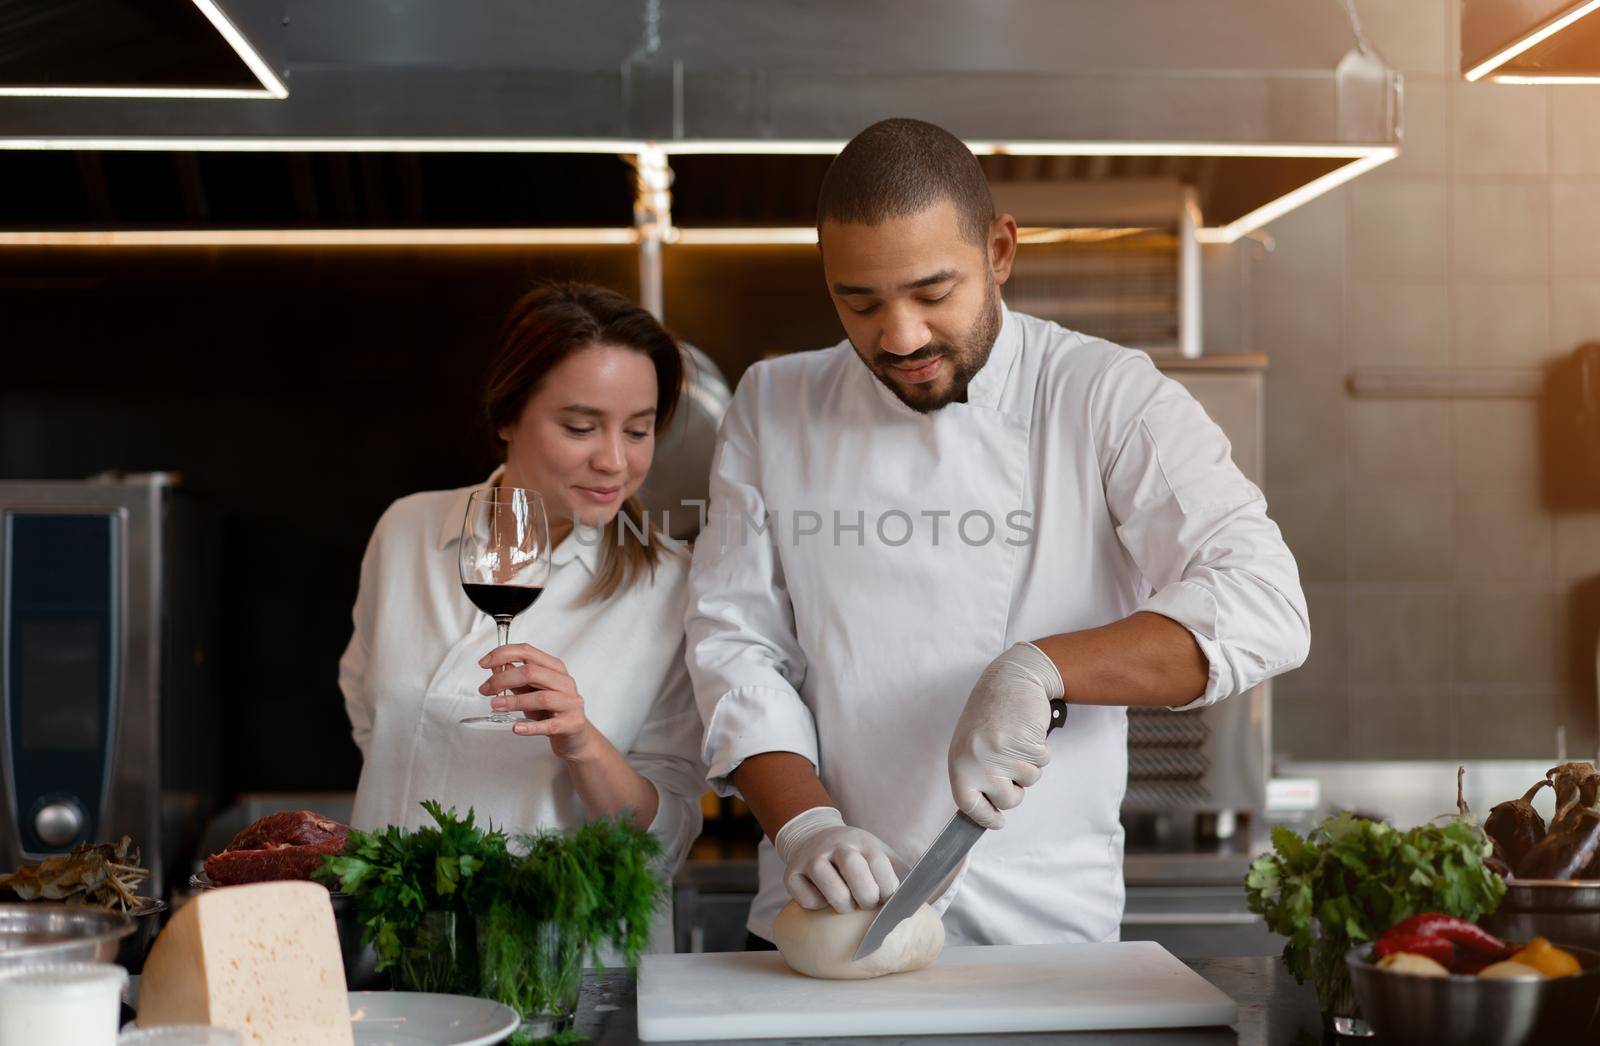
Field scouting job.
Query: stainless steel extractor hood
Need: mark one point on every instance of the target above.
(1531, 41)
(1259, 105)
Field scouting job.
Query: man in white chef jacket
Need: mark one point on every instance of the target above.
(917, 538)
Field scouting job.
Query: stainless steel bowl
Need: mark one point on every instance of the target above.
(1469, 1011)
(1557, 909)
(37, 932)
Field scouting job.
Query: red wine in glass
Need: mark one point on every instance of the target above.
(500, 601)
(505, 562)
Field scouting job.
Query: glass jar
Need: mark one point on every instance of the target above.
(439, 955)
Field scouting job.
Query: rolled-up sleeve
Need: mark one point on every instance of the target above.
(665, 753)
(744, 660)
(1198, 529)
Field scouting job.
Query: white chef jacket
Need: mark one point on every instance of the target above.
(853, 628)
(411, 672)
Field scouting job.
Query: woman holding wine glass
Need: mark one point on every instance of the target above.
(586, 710)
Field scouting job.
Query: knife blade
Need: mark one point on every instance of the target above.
(929, 877)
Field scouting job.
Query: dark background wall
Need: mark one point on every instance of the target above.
(299, 392)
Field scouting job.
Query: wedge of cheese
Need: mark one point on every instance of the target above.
(262, 960)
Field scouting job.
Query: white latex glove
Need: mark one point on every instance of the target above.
(826, 862)
(999, 748)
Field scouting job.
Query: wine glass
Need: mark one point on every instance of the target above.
(505, 562)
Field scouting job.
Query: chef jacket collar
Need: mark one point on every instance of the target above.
(582, 544)
(986, 386)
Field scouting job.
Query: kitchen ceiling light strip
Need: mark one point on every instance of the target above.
(1532, 39)
(271, 86)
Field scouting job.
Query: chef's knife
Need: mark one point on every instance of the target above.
(933, 869)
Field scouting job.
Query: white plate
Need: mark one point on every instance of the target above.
(425, 1019)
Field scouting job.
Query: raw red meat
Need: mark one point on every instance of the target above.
(294, 828)
(280, 846)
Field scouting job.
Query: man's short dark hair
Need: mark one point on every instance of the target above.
(901, 167)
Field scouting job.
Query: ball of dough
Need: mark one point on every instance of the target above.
(819, 944)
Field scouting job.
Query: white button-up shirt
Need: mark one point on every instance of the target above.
(862, 563)
(411, 672)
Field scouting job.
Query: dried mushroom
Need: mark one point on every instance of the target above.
(103, 874)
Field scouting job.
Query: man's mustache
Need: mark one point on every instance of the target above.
(926, 354)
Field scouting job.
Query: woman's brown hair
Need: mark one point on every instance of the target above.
(544, 327)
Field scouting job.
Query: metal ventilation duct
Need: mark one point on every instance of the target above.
(1264, 105)
(1531, 41)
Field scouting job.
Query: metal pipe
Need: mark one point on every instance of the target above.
(652, 218)
(1189, 313)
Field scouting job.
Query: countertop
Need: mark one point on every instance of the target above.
(1273, 1011)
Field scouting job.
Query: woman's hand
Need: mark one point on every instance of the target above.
(543, 691)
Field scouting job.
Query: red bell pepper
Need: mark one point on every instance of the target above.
(1471, 937)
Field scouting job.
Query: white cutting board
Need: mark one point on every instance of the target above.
(1000, 988)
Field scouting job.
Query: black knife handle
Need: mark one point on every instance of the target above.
(1058, 715)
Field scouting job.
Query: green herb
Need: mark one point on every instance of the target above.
(397, 877)
(569, 898)
(1351, 879)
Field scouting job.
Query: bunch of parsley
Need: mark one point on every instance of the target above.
(1350, 879)
(397, 876)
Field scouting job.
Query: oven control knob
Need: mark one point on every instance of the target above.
(58, 823)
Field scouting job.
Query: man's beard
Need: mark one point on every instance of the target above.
(966, 360)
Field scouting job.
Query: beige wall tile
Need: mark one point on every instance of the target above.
(1307, 245)
(1398, 722)
(1305, 427)
(1499, 131)
(1400, 439)
(1311, 514)
(1397, 227)
(1577, 539)
(1328, 666)
(1497, 445)
(1311, 726)
(1575, 314)
(1501, 229)
(1575, 215)
(1505, 637)
(1399, 324)
(1502, 537)
(1400, 638)
(1499, 324)
(1401, 532)
(1301, 330)
(1498, 722)
(1412, 35)
(1425, 141)
(1576, 115)
(1224, 301)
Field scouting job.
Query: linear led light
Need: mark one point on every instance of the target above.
(1543, 79)
(1252, 221)
(322, 238)
(706, 148)
(773, 236)
(331, 145)
(135, 92)
(1537, 36)
(241, 47)
(271, 86)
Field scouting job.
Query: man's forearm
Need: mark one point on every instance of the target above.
(1144, 659)
(778, 785)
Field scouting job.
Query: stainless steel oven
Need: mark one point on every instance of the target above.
(109, 723)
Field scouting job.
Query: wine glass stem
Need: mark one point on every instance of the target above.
(504, 624)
